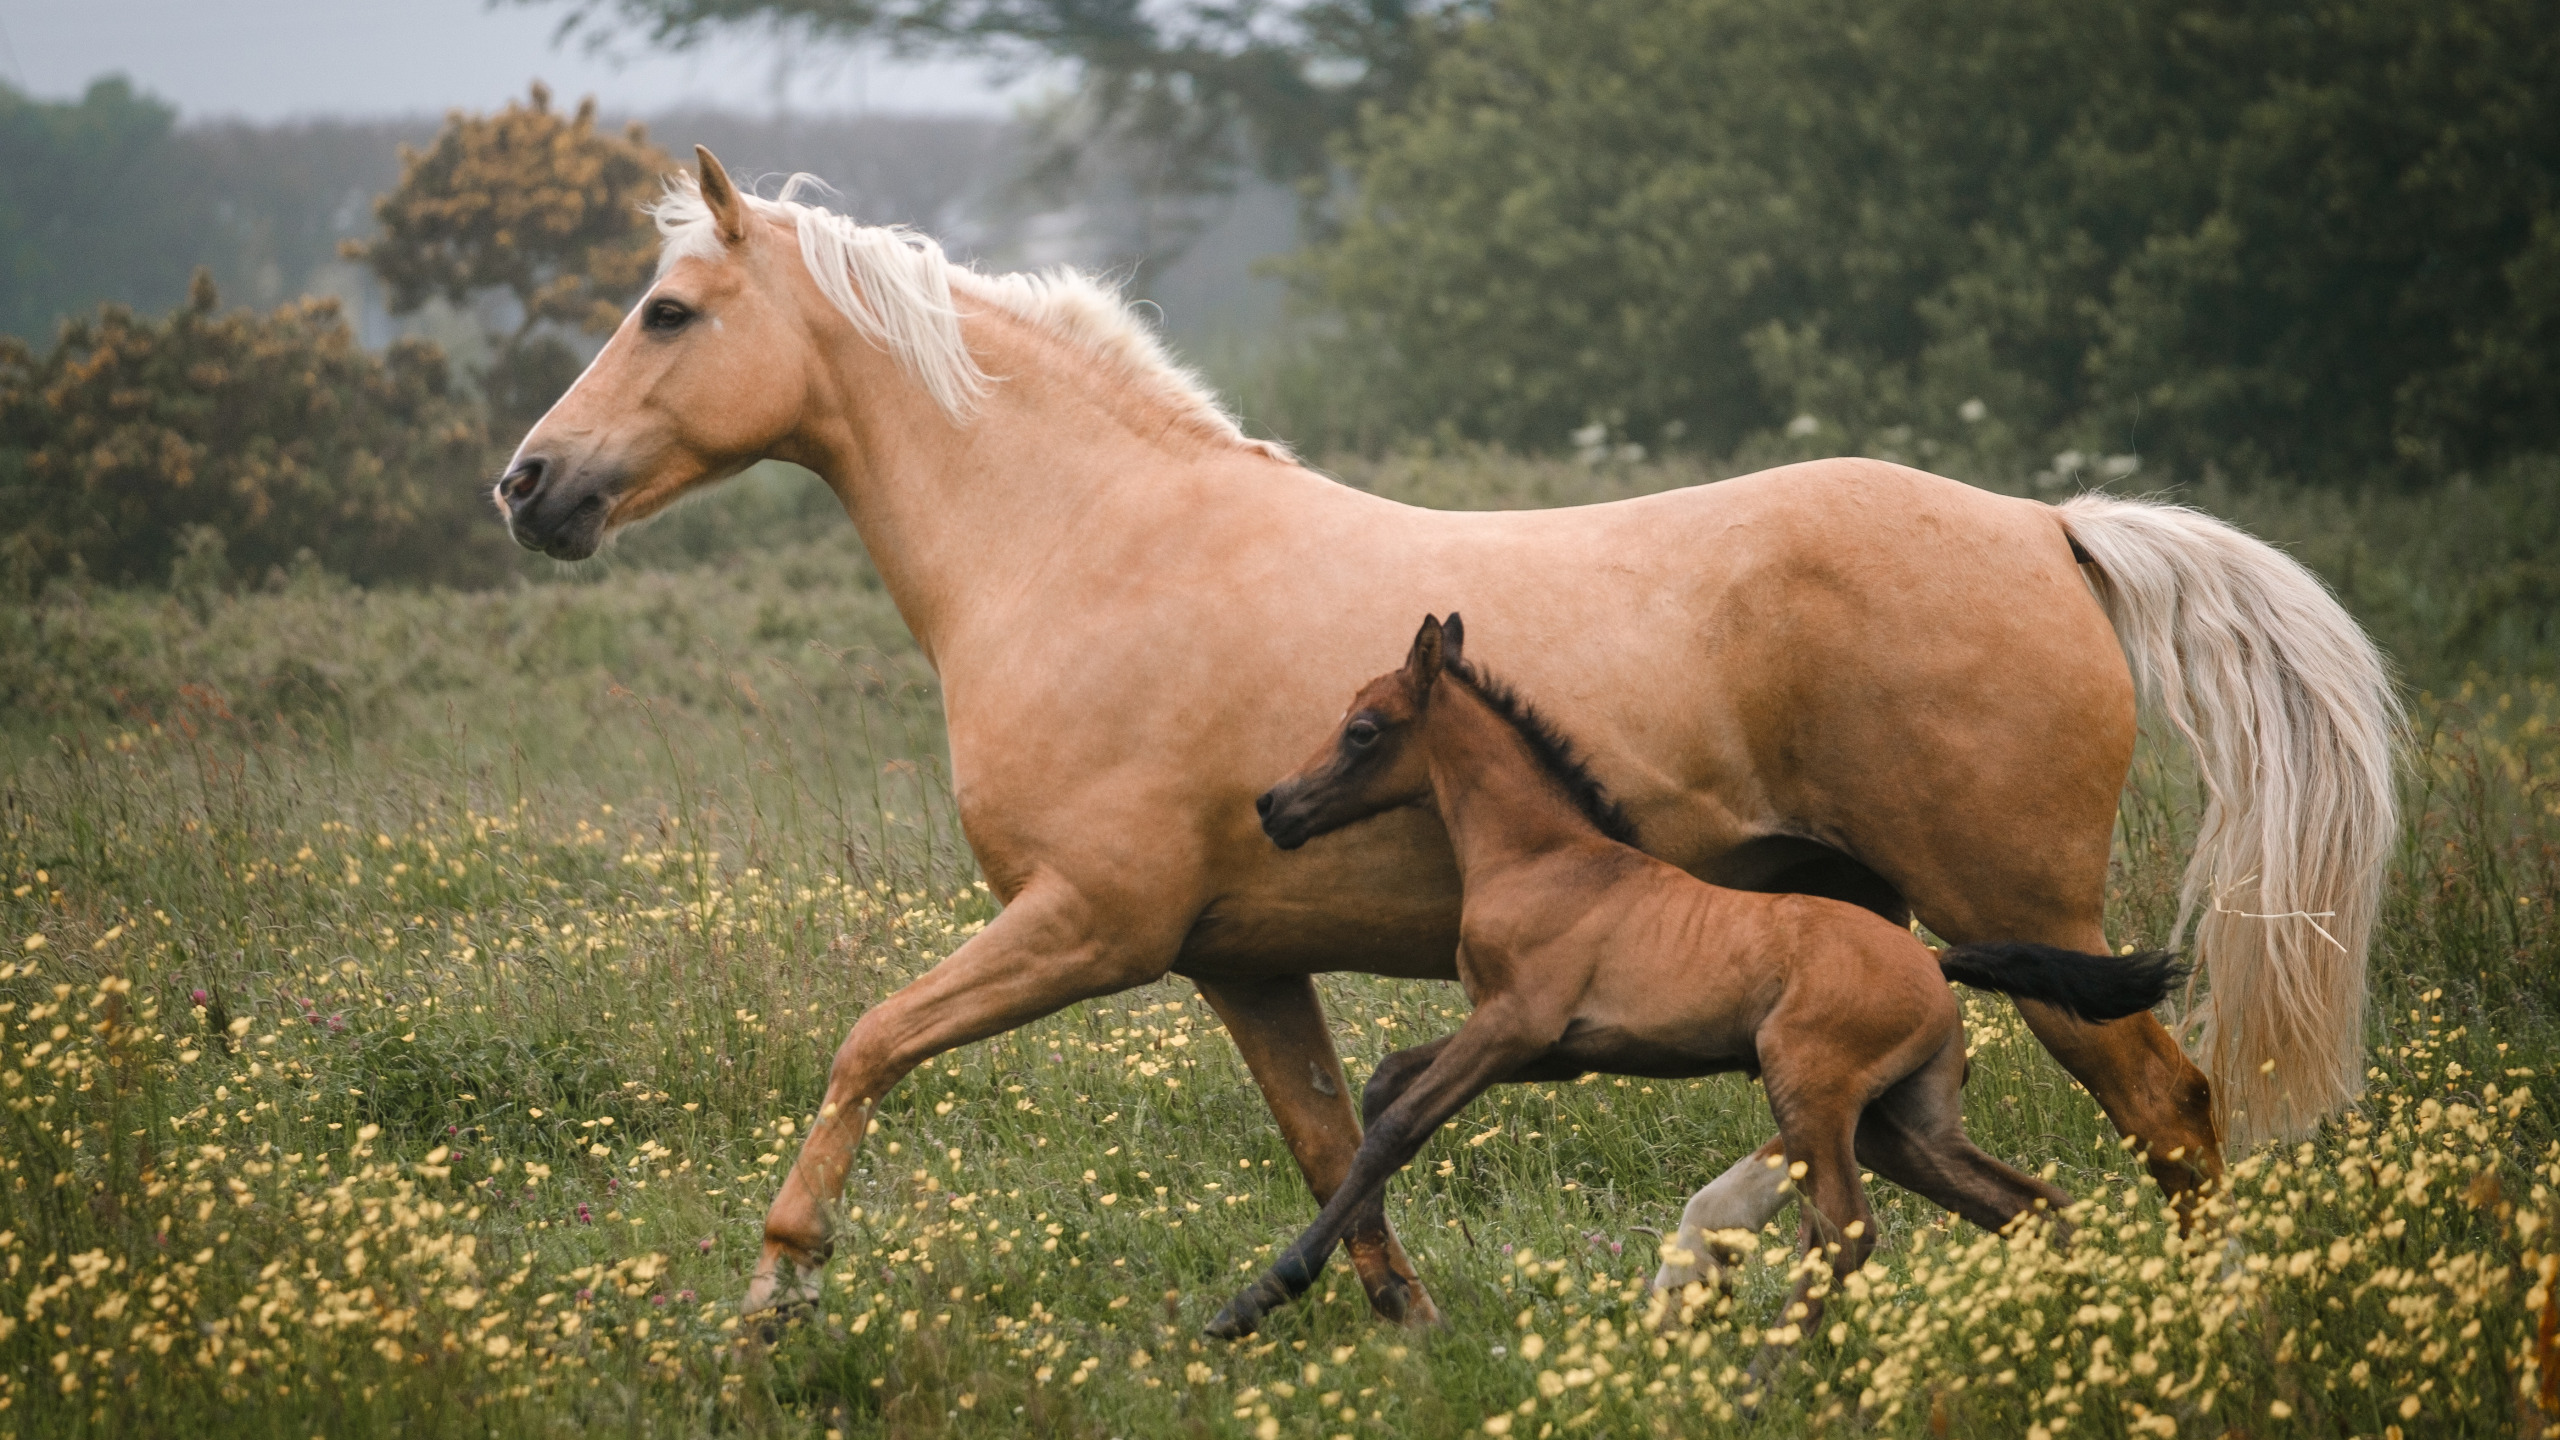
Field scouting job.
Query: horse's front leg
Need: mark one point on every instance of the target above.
(1278, 1026)
(1050, 948)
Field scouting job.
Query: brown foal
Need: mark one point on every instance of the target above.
(1579, 952)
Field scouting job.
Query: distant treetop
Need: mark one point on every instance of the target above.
(541, 205)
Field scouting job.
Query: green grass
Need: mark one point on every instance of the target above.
(537, 913)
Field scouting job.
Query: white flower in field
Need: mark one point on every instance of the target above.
(1802, 427)
(2116, 467)
(1973, 412)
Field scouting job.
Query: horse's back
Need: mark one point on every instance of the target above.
(1847, 653)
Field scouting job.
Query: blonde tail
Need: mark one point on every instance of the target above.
(2293, 720)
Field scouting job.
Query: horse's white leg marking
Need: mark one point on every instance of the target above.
(1742, 1199)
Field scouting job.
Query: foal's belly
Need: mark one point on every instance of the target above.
(1650, 1052)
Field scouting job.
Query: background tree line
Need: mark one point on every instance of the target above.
(204, 439)
(2315, 240)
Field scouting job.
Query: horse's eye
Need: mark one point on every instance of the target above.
(1360, 733)
(666, 315)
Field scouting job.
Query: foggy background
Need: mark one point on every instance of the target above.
(290, 114)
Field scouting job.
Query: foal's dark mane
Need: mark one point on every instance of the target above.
(1553, 751)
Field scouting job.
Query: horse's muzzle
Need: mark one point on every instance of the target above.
(553, 509)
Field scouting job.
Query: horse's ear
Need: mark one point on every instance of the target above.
(1422, 662)
(1453, 640)
(727, 210)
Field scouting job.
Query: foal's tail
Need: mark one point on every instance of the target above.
(2093, 987)
(2292, 718)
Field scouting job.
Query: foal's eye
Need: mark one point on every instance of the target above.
(1360, 733)
(665, 315)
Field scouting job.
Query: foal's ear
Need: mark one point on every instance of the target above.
(1422, 662)
(1453, 640)
(727, 211)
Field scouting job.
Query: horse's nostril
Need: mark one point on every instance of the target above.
(524, 481)
(1262, 805)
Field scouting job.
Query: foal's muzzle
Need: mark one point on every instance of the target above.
(553, 510)
(1287, 828)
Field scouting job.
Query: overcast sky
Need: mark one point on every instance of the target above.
(274, 59)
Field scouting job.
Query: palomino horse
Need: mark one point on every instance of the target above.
(1843, 678)
(1579, 952)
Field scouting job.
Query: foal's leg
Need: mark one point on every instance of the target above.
(1039, 955)
(1744, 1197)
(1481, 1053)
(1913, 1135)
(1817, 1123)
(1278, 1026)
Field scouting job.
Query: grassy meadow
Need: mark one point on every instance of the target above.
(411, 1000)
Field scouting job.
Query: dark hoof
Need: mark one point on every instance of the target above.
(770, 1324)
(1237, 1321)
(1393, 1303)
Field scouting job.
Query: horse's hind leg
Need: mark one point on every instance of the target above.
(1278, 1025)
(2149, 1088)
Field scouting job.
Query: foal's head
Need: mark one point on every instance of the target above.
(1377, 760)
(1372, 763)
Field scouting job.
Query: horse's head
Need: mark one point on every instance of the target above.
(705, 376)
(1373, 763)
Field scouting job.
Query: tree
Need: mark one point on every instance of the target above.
(91, 206)
(1209, 90)
(540, 207)
(130, 439)
(2311, 240)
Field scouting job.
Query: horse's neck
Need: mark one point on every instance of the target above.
(1497, 802)
(1056, 470)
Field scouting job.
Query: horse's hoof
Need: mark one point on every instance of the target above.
(1419, 1312)
(1393, 1302)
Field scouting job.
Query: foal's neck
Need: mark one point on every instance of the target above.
(1498, 801)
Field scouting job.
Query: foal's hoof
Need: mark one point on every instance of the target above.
(773, 1320)
(1240, 1319)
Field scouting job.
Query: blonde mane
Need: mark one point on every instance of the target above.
(905, 296)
